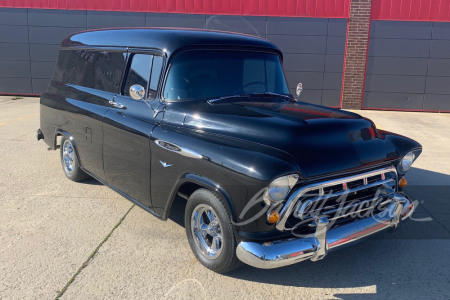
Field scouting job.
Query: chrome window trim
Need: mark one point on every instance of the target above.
(288, 208)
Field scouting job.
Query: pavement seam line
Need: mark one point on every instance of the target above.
(92, 255)
(19, 119)
(433, 217)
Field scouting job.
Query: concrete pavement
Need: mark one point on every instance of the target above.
(88, 242)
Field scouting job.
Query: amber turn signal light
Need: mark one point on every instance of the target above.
(273, 217)
(402, 182)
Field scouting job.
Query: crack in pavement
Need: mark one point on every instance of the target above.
(16, 139)
(429, 213)
(91, 257)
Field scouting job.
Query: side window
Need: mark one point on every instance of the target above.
(139, 72)
(156, 73)
(100, 70)
(108, 69)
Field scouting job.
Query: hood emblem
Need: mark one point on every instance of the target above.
(164, 164)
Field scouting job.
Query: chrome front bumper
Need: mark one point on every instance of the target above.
(315, 247)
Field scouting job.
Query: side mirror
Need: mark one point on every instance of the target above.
(137, 92)
(299, 90)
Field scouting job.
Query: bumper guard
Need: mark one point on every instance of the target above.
(315, 247)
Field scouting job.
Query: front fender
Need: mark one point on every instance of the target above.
(236, 169)
(202, 182)
(402, 144)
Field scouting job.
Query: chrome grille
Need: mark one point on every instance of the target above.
(340, 198)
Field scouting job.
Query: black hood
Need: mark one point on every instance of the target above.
(322, 140)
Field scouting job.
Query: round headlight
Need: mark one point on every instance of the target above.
(407, 161)
(280, 188)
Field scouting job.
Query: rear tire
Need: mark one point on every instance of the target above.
(210, 232)
(70, 162)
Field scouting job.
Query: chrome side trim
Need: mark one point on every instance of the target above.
(287, 209)
(268, 255)
(178, 149)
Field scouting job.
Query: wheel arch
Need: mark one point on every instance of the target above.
(189, 183)
(60, 132)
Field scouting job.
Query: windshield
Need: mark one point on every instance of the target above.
(211, 74)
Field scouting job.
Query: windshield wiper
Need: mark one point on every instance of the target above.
(250, 95)
(227, 98)
(272, 94)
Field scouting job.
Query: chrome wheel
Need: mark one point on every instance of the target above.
(68, 157)
(207, 231)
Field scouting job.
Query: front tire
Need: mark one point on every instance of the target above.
(210, 232)
(70, 163)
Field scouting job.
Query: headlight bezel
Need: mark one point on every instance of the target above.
(407, 160)
(280, 188)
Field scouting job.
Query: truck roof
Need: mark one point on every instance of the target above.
(168, 40)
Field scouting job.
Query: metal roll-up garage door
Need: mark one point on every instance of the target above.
(408, 66)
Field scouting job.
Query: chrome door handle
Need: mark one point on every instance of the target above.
(116, 104)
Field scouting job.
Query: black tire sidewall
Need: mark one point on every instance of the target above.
(226, 260)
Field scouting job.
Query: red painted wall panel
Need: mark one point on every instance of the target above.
(411, 10)
(282, 8)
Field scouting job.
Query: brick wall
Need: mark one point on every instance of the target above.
(356, 54)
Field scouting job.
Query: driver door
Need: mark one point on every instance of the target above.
(128, 126)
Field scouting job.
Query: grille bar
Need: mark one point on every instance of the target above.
(349, 208)
(353, 190)
(347, 186)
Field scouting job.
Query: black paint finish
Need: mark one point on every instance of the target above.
(235, 147)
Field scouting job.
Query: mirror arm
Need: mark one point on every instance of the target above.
(155, 112)
(136, 92)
